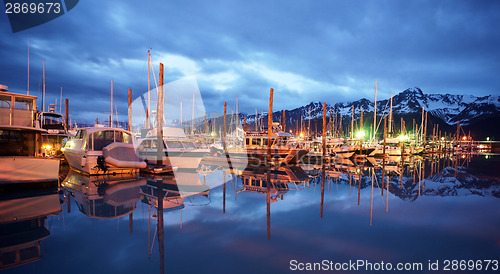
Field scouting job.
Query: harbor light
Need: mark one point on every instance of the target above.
(301, 134)
(487, 138)
(403, 137)
(360, 134)
(464, 138)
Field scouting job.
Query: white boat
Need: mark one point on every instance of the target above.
(179, 151)
(21, 158)
(100, 150)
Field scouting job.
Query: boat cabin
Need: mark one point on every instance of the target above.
(95, 139)
(18, 134)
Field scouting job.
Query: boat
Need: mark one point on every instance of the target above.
(334, 147)
(52, 141)
(100, 150)
(256, 148)
(21, 158)
(179, 151)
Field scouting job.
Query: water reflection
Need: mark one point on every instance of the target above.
(23, 222)
(104, 196)
(443, 198)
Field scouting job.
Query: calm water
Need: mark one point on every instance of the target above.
(246, 227)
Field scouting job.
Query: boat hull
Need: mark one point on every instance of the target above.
(24, 169)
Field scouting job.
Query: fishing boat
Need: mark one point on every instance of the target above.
(21, 158)
(52, 140)
(256, 148)
(99, 150)
(178, 150)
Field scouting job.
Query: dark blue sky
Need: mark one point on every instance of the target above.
(331, 51)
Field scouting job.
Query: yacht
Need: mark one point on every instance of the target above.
(100, 150)
(21, 158)
(179, 151)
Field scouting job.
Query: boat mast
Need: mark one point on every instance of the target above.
(352, 122)
(60, 102)
(192, 118)
(149, 93)
(375, 113)
(43, 98)
(256, 119)
(111, 117)
(28, 66)
(390, 118)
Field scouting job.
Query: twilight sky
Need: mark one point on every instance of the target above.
(331, 51)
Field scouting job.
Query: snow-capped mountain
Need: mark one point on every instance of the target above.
(445, 109)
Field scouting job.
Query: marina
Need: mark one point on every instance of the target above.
(249, 136)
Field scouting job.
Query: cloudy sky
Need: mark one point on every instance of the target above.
(331, 51)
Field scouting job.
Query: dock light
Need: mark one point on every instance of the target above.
(48, 147)
(403, 137)
(360, 134)
(464, 138)
(302, 134)
(442, 138)
(487, 138)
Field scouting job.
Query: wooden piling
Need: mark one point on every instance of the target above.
(270, 125)
(159, 123)
(129, 109)
(66, 113)
(284, 122)
(324, 130)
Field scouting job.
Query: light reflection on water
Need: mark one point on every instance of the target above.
(444, 208)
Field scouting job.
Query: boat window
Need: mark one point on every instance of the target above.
(23, 103)
(123, 137)
(247, 141)
(50, 120)
(146, 143)
(79, 134)
(17, 143)
(102, 139)
(264, 141)
(256, 141)
(127, 138)
(189, 145)
(174, 144)
(5, 101)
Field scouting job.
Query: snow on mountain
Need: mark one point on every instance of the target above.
(450, 108)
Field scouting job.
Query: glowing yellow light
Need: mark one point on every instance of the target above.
(403, 137)
(360, 134)
(487, 138)
(48, 147)
(464, 138)
(442, 138)
(302, 134)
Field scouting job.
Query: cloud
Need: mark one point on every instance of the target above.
(307, 50)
